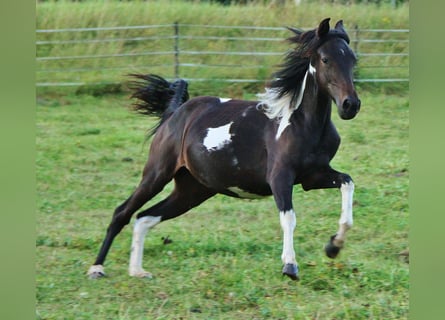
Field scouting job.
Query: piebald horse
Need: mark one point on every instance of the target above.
(246, 149)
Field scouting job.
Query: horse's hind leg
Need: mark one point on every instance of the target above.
(150, 185)
(188, 193)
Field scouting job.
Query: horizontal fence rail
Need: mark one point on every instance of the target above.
(235, 54)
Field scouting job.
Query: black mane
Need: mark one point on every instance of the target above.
(288, 79)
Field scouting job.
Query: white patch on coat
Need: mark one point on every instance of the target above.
(312, 69)
(284, 122)
(141, 227)
(280, 108)
(218, 138)
(244, 194)
(288, 223)
(223, 100)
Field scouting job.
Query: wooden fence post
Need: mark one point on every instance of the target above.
(357, 39)
(176, 49)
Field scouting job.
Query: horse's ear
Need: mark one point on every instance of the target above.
(296, 31)
(339, 26)
(323, 28)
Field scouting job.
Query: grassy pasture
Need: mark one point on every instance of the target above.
(224, 261)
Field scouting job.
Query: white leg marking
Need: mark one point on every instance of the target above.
(96, 270)
(217, 138)
(141, 227)
(288, 222)
(346, 220)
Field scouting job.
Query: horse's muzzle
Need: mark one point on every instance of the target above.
(349, 108)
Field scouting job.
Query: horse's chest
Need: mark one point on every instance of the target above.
(309, 153)
(317, 158)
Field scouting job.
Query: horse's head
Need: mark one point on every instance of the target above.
(332, 64)
(325, 55)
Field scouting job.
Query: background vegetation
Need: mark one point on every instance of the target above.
(224, 261)
(135, 46)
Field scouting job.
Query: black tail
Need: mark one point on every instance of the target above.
(157, 97)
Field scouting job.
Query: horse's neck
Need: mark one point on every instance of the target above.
(316, 109)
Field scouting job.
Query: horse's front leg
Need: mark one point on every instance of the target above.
(288, 223)
(282, 191)
(330, 178)
(345, 223)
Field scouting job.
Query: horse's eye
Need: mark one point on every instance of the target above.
(324, 60)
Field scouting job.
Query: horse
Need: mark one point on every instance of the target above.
(246, 149)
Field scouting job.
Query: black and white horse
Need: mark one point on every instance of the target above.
(245, 149)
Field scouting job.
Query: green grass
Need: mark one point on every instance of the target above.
(224, 261)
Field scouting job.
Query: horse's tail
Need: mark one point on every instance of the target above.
(157, 97)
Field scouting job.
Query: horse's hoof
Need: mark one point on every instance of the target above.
(291, 270)
(141, 274)
(96, 275)
(96, 272)
(331, 249)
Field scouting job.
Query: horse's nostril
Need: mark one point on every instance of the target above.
(351, 103)
(346, 104)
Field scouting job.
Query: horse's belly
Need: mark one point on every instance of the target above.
(231, 180)
(240, 193)
(228, 171)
